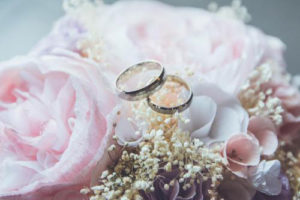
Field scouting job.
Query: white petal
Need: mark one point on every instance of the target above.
(125, 131)
(127, 127)
(227, 123)
(213, 91)
(230, 118)
(201, 114)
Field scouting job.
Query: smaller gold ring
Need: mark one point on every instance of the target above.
(174, 109)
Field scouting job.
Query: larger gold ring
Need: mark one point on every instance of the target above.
(144, 91)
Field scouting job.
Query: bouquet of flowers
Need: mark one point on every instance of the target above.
(142, 100)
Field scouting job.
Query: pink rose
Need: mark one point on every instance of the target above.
(54, 113)
(220, 50)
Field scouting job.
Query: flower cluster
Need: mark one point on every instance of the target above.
(65, 135)
(185, 155)
(289, 155)
(168, 156)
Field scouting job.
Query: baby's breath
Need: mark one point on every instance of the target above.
(236, 10)
(258, 101)
(166, 147)
(91, 47)
(289, 156)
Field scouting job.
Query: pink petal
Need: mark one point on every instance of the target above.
(242, 150)
(265, 132)
(257, 124)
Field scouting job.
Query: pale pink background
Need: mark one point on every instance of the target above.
(24, 22)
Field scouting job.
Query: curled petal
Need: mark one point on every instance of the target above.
(268, 141)
(214, 115)
(226, 124)
(126, 133)
(240, 151)
(257, 124)
(199, 106)
(128, 130)
(265, 132)
(230, 118)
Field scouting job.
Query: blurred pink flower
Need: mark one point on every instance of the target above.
(265, 132)
(290, 99)
(289, 96)
(221, 50)
(54, 113)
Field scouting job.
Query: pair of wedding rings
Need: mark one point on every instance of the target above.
(130, 89)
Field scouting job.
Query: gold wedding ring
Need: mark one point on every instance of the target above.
(176, 107)
(129, 87)
(143, 91)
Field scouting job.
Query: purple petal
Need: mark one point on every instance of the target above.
(285, 194)
(198, 191)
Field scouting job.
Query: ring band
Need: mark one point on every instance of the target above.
(179, 108)
(145, 91)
